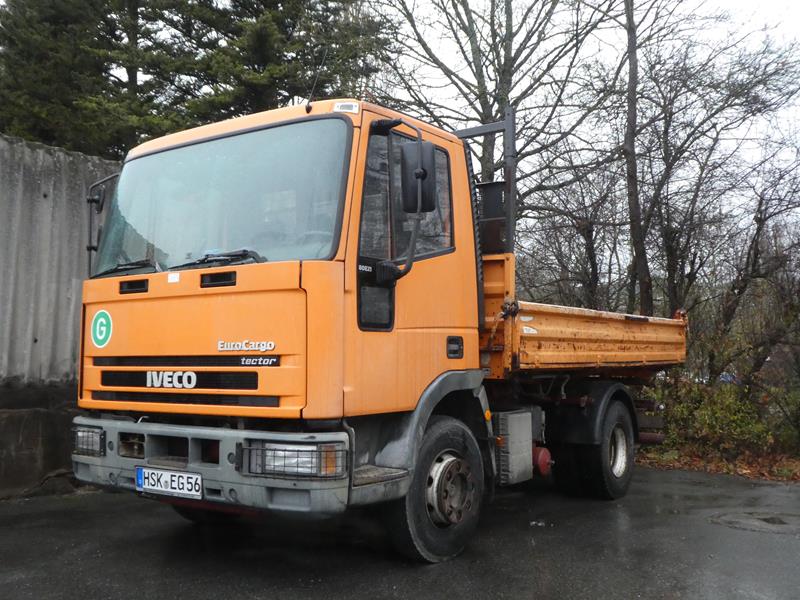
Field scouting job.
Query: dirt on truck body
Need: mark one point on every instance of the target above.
(527, 336)
(314, 308)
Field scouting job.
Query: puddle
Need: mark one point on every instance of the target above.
(766, 522)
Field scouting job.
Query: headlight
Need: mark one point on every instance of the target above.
(88, 441)
(305, 460)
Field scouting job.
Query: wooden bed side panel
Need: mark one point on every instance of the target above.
(561, 338)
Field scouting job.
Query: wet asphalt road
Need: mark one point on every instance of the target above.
(676, 535)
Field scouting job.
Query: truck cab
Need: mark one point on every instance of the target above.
(293, 311)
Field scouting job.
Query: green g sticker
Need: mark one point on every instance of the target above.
(101, 328)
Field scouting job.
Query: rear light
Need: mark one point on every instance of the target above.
(88, 441)
(303, 460)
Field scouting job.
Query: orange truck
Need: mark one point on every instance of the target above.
(314, 308)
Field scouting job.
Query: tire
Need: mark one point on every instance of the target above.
(608, 467)
(439, 515)
(205, 517)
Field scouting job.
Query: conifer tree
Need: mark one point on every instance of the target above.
(50, 62)
(104, 75)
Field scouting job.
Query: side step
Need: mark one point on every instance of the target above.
(370, 474)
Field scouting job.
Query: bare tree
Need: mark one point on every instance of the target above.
(625, 178)
(578, 242)
(656, 166)
(763, 258)
(465, 61)
(640, 266)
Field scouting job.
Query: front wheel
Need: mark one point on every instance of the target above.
(439, 515)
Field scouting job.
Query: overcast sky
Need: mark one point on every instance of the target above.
(783, 14)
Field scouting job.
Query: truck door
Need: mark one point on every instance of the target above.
(400, 332)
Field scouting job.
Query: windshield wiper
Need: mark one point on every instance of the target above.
(223, 257)
(134, 264)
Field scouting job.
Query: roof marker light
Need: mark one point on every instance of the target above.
(346, 107)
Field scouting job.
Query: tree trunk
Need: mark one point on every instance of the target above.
(630, 289)
(132, 33)
(592, 282)
(640, 262)
(487, 156)
(673, 274)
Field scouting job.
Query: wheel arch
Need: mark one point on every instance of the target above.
(575, 425)
(465, 406)
(458, 394)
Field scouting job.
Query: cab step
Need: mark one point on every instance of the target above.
(370, 474)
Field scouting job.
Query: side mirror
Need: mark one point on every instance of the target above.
(411, 155)
(96, 196)
(97, 192)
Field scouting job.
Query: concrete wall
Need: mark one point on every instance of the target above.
(35, 437)
(43, 237)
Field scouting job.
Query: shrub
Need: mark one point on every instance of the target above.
(783, 414)
(719, 418)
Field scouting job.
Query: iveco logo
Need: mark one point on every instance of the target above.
(171, 379)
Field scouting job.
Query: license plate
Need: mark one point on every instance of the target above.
(170, 483)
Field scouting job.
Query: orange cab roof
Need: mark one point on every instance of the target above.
(260, 119)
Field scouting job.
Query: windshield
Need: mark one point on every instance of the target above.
(275, 192)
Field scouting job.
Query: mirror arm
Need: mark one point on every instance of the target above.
(98, 200)
(90, 247)
(411, 247)
(387, 271)
(419, 174)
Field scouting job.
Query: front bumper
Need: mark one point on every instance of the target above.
(227, 482)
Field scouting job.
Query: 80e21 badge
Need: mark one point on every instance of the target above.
(101, 328)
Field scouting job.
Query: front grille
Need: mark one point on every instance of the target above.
(173, 398)
(234, 360)
(204, 380)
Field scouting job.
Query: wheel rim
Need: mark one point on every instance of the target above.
(450, 492)
(618, 451)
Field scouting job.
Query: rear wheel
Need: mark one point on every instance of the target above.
(609, 466)
(439, 515)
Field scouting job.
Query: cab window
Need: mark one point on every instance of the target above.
(385, 228)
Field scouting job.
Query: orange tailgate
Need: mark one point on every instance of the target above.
(223, 341)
